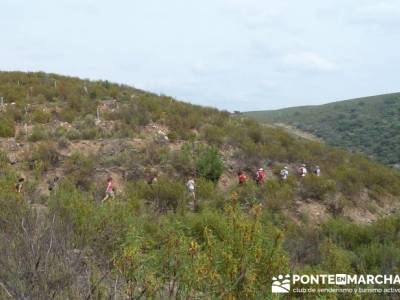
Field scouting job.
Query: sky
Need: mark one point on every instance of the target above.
(231, 54)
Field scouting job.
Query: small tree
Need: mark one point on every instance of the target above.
(209, 164)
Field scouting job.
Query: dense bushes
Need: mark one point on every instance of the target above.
(163, 195)
(188, 263)
(44, 156)
(79, 168)
(317, 187)
(41, 117)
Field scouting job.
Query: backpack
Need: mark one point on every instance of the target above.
(302, 171)
(242, 178)
(260, 176)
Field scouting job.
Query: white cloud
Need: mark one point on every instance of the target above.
(309, 61)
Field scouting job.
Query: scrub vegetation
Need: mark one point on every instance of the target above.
(149, 242)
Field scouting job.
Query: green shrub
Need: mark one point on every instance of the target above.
(172, 136)
(79, 168)
(316, 187)
(165, 194)
(63, 143)
(7, 127)
(46, 154)
(182, 160)
(39, 133)
(214, 135)
(41, 117)
(71, 205)
(209, 164)
(156, 153)
(205, 190)
(279, 195)
(68, 115)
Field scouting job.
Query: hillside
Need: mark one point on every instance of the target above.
(369, 125)
(153, 240)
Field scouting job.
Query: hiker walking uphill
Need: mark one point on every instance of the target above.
(303, 170)
(53, 183)
(284, 173)
(191, 189)
(260, 176)
(242, 177)
(153, 179)
(110, 190)
(19, 185)
(317, 171)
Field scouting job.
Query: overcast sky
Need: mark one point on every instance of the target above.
(232, 54)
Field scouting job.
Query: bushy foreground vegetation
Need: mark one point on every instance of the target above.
(149, 242)
(369, 125)
(78, 248)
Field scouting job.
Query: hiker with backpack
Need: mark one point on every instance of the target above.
(260, 176)
(190, 185)
(303, 170)
(317, 171)
(109, 190)
(19, 185)
(242, 177)
(153, 179)
(284, 173)
(53, 183)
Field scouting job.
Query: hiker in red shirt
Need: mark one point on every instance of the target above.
(260, 176)
(242, 177)
(110, 189)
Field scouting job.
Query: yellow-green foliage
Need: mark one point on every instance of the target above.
(230, 256)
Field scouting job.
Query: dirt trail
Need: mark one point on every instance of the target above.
(297, 132)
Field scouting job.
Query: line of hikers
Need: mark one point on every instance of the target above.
(110, 188)
(284, 174)
(51, 184)
(190, 185)
(260, 177)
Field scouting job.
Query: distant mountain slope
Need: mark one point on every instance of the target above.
(370, 125)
